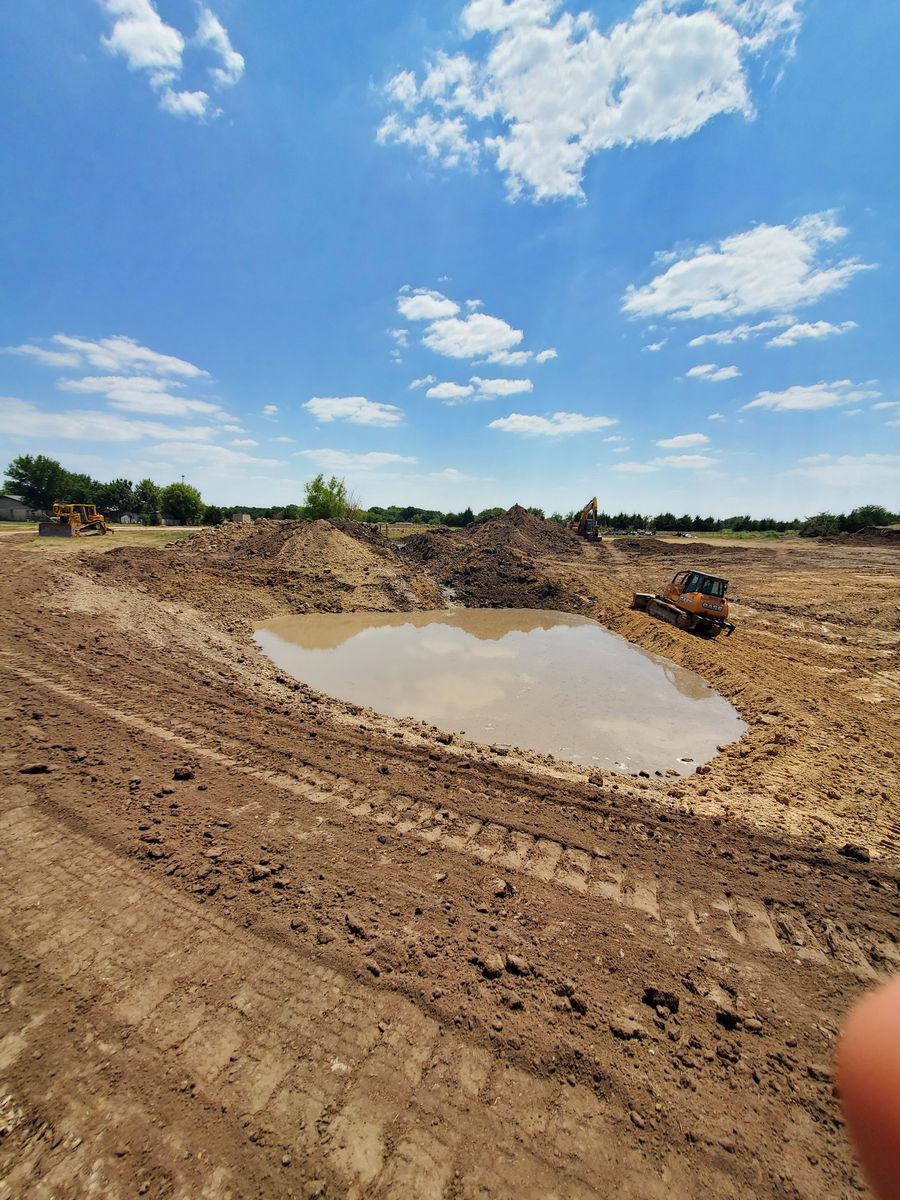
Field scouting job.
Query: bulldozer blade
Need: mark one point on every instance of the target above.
(55, 529)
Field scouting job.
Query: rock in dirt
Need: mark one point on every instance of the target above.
(856, 852)
(34, 769)
(626, 1030)
(516, 965)
(355, 925)
(183, 773)
(727, 1018)
(655, 996)
(490, 964)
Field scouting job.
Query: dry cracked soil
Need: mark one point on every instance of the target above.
(257, 942)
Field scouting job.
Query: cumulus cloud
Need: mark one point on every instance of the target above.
(357, 410)
(211, 32)
(654, 347)
(850, 470)
(559, 424)
(711, 373)
(816, 330)
(470, 337)
(716, 416)
(243, 442)
(21, 417)
(450, 391)
(657, 75)
(684, 440)
(423, 304)
(740, 333)
(676, 462)
(885, 404)
(147, 43)
(490, 388)
(345, 460)
(269, 410)
(116, 355)
(813, 397)
(142, 394)
(772, 267)
(423, 382)
(220, 460)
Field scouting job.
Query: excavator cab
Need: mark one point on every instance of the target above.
(585, 524)
(692, 601)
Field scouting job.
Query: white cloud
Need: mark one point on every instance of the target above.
(187, 104)
(658, 75)
(243, 442)
(559, 424)
(215, 458)
(814, 396)
(233, 429)
(711, 373)
(401, 337)
(853, 412)
(211, 32)
(355, 409)
(620, 449)
(716, 417)
(634, 468)
(653, 347)
(545, 355)
(20, 417)
(450, 391)
(420, 383)
(345, 460)
(771, 267)
(470, 337)
(423, 304)
(502, 387)
(114, 354)
(677, 462)
(683, 440)
(885, 404)
(142, 394)
(146, 43)
(283, 439)
(815, 329)
(849, 470)
(269, 410)
(740, 333)
(685, 462)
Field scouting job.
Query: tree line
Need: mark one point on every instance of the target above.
(42, 482)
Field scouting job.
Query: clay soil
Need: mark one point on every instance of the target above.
(258, 943)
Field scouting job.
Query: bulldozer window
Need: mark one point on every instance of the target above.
(705, 585)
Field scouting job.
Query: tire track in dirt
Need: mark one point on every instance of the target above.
(717, 919)
(318, 1075)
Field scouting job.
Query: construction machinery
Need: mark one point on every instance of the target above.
(73, 520)
(585, 524)
(693, 601)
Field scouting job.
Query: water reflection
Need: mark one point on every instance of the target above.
(552, 682)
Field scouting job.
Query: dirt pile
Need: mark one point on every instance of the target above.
(500, 562)
(273, 566)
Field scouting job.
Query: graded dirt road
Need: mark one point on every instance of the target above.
(260, 943)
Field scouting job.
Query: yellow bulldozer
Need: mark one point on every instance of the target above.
(74, 520)
(692, 601)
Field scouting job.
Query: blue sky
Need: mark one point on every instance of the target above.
(458, 253)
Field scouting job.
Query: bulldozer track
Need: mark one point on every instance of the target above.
(667, 912)
(223, 1026)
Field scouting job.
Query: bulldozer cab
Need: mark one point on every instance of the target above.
(692, 582)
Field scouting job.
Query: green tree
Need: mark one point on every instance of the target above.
(183, 502)
(823, 524)
(82, 489)
(867, 514)
(119, 494)
(40, 481)
(147, 498)
(292, 512)
(325, 500)
(213, 515)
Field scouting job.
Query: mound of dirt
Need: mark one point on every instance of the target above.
(273, 566)
(497, 562)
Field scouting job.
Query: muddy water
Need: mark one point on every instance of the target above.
(548, 681)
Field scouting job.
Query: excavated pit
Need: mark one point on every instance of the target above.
(556, 683)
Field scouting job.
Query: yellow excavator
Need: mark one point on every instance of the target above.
(692, 601)
(585, 524)
(74, 520)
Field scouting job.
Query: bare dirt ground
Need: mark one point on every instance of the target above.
(259, 943)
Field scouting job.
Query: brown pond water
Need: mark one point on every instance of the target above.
(547, 681)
